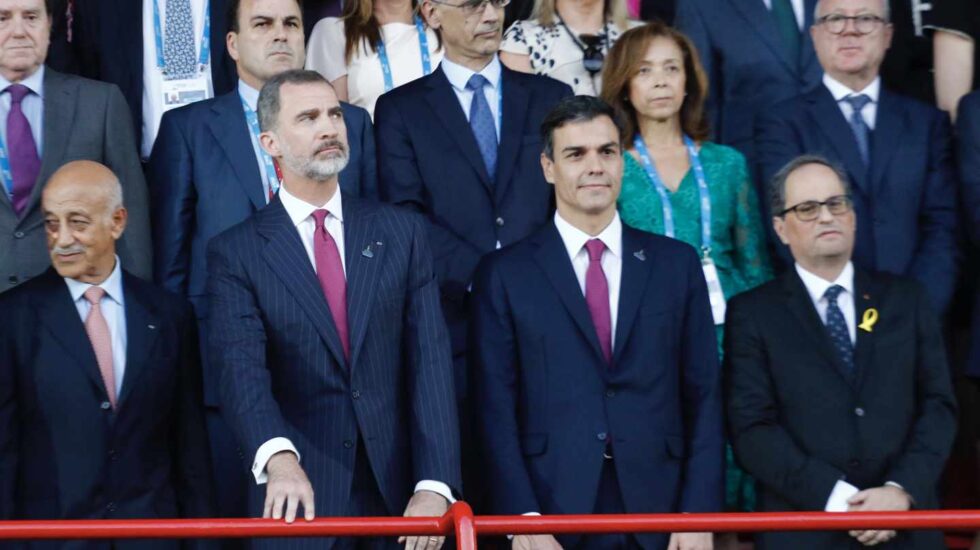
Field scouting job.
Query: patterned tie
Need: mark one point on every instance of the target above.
(178, 42)
(837, 328)
(98, 333)
(789, 29)
(858, 126)
(482, 124)
(24, 161)
(597, 297)
(330, 272)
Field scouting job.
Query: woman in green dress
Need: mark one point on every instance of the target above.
(654, 80)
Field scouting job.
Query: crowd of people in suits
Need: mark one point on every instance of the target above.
(253, 265)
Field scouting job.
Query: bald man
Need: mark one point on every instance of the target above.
(100, 388)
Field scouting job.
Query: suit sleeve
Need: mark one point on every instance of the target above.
(918, 469)
(121, 156)
(690, 21)
(9, 425)
(400, 182)
(936, 257)
(493, 351)
(968, 131)
(434, 422)
(762, 446)
(173, 199)
(236, 349)
(701, 399)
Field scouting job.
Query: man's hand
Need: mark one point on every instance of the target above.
(287, 485)
(425, 504)
(691, 541)
(879, 499)
(535, 542)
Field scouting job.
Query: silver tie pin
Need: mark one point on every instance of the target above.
(640, 255)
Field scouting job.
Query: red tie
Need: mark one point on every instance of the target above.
(597, 297)
(330, 272)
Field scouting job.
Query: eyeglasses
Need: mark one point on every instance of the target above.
(808, 211)
(473, 7)
(863, 24)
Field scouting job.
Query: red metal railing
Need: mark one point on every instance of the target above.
(461, 522)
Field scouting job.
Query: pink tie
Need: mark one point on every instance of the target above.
(98, 333)
(330, 272)
(597, 297)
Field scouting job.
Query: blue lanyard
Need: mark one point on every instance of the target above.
(5, 171)
(423, 50)
(658, 184)
(205, 56)
(253, 125)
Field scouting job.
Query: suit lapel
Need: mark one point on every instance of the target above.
(364, 255)
(759, 19)
(443, 102)
(230, 130)
(286, 256)
(142, 330)
(59, 115)
(635, 276)
(799, 303)
(831, 120)
(866, 297)
(516, 99)
(557, 267)
(886, 136)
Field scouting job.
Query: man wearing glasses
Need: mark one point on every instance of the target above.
(894, 149)
(462, 146)
(837, 388)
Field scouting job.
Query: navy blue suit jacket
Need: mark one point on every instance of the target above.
(428, 161)
(748, 68)
(282, 368)
(905, 201)
(203, 179)
(968, 155)
(64, 454)
(549, 403)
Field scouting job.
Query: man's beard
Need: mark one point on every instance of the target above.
(317, 170)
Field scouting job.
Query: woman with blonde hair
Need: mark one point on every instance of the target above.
(374, 46)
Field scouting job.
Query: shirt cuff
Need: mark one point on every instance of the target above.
(511, 537)
(265, 452)
(839, 496)
(437, 487)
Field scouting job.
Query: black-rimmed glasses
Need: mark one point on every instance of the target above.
(864, 24)
(808, 211)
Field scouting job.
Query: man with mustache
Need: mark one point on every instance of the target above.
(595, 356)
(326, 330)
(837, 387)
(100, 385)
(208, 172)
(896, 150)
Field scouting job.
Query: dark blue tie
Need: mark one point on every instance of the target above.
(482, 124)
(840, 337)
(860, 129)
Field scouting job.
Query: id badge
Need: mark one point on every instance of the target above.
(177, 93)
(715, 295)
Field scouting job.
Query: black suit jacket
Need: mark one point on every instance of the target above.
(64, 454)
(968, 155)
(798, 423)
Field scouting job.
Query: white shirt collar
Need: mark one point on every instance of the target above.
(112, 285)
(34, 83)
(816, 286)
(840, 91)
(249, 94)
(459, 75)
(575, 239)
(300, 210)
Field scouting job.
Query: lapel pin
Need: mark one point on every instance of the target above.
(367, 252)
(379, 243)
(868, 319)
(151, 327)
(640, 255)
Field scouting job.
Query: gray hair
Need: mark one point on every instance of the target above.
(269, 103)
(777, 189)
(114, 195)
(886, 11)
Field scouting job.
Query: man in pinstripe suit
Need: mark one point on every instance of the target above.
(334, 358)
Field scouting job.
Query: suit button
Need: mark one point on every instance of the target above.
(348, 444)
(355, 394)
(12, 279)
(106, 405)
(500, 222)
(610, 393)
(859, 411)
(111, 507)
(601, 436)
(18, 234)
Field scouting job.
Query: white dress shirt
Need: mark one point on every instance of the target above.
(612, 257)
(840, 92)
(251, 97)
(153, 77)
(301, 214)
(113, 306)
(817, 286)
(797, 11)
(459, 75)
(32, 106)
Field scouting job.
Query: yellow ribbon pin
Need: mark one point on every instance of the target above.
(868, 319)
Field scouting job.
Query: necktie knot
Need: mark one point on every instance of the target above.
(858, 101)
(319, 216)
(595, 248)
(17, 93)
(832, 293)
(476, 82)
(94, 295)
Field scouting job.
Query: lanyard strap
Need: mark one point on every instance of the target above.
(423, 50)
(205, 57)
(5, 172)
(271, 175)
(704, 196)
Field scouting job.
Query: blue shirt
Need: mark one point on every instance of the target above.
(459, 75)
